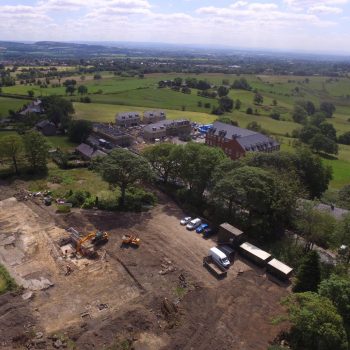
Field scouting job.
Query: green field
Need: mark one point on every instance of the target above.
(113, 94)
(7, 103)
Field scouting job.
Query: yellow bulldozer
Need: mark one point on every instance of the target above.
(132, 240)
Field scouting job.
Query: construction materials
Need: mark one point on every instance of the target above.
(209, 264)
(132, 240)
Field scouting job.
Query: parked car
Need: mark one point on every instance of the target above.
(201, 228)
(208, 232)
(192, 225)
(219, 258)
(185, 220)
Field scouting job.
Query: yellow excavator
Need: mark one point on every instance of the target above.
(96, 239)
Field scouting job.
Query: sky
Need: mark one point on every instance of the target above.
(293, 25)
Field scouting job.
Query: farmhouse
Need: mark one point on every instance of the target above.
(235, 141)
(112, 133)
(47, 128)
(128, 119)
(150, 117)
(33, 107)
(165, 128)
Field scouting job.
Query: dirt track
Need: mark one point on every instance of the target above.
(234, 313)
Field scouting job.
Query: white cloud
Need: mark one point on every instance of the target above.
(325, 10)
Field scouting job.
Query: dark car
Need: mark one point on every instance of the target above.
(209, 232)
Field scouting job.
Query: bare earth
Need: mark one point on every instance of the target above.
(121, 296)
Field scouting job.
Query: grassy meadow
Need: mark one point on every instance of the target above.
(113, 94)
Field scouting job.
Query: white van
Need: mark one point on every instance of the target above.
(219, 257)
(192, 225)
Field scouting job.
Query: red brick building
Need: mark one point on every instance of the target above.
(235, 141)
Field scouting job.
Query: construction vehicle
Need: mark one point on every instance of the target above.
(95, 238)
(132, 240)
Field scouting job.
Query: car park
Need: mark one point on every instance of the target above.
(208, 232)
(201, 228)
(192, 225)
(185, 220)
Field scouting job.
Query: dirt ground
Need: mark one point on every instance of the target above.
(158, 296)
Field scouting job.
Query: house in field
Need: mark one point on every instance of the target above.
(128, 119)
(166, 128)
(33, 107)
(47, 128)
(236, 142)
(150, 117)
(112, 133)
(87, 152)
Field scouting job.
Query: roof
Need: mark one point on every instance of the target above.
(235, 231)
(248, 139)
(128, 115)
(44, 123)
(110, 130)
(280, 266)
(166, 124)
(252, 249)
(155, 113)
(89, 152)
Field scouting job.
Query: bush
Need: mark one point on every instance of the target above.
(249, 110)
(89, 203)
(63, 209)
(77, 198)
(108, 200)
(136, 198)
(9, 282)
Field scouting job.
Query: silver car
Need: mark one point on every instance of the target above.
(192, 225)
(185, 220)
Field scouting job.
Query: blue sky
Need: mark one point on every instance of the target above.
(308, 25)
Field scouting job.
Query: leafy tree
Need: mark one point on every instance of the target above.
(197, 163)
(223, 91)
(328, 130)
(328, 108)
(11, 148)
(254, 126)
(337, 289)
(249, 110)
(317, 119)
(258, 99)
(316, 324)
(275, 116)
(321, 143)
(314, 225)
(226, 103)
(308, 276)
(299, 114)
(124, 168)
(79, 130)
(241, 84)
(70, 89)
(307, 132)
(238, 104)
(69, 82)
(58, 110)
(82, 90)
(30, 93)
(203, 85)
(345, 138)
(313, 173)
(97, 76)
(308, 106)
(178, 81)
(163, 162)
(36, 150)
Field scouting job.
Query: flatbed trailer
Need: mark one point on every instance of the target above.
(209, 264)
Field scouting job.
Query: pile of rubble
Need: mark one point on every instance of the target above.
(167, 267)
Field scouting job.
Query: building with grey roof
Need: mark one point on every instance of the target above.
(128, 119)
(112, 133)
(236, 142)
(150, 117)
(87, 152)
(165, 128)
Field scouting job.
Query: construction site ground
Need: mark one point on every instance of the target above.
(156, 296)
